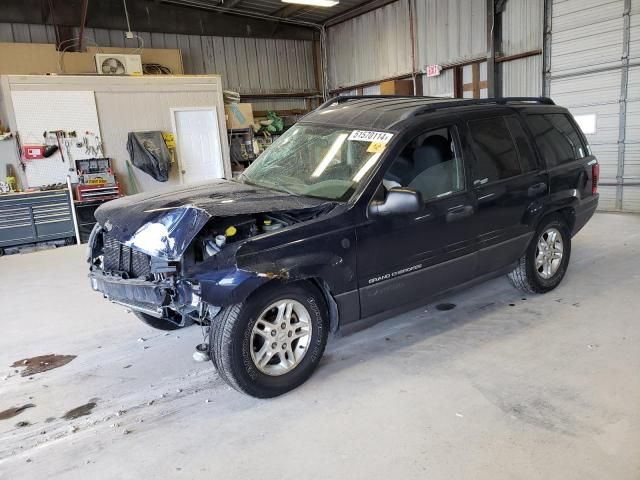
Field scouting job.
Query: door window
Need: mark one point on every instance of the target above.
(556, 138)
(494, 149)
(525, 151)
(430, 164)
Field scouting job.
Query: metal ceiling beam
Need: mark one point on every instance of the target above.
(230, 4)
(288, 10)
(165, 16)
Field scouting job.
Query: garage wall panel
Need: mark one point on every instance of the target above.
(438, 42)
(631, 168)
(248, 65)
(370, 47)
(586, 34)
(595, 93)
(588, 74)
(522, 77)
(522, 24)
(607, 199)
(440, 86)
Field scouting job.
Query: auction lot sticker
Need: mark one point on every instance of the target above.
(369, 136)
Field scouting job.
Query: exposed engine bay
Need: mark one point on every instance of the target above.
(170, 289)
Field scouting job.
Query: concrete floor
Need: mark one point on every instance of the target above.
(502, 386)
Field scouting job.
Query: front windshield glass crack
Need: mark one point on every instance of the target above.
(318, 161)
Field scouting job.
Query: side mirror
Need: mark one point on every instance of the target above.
(399, 201)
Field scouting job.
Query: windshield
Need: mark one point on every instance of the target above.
(318, 161)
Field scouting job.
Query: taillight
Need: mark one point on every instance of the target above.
(595, 176)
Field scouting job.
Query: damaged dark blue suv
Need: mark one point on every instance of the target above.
(367, 206)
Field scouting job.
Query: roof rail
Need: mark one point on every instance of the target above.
(442, 103)
(480, 101)
(345, 98)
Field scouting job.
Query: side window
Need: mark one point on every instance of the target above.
(556, 138)
(430, 164)
(525, 150)
(494, 149)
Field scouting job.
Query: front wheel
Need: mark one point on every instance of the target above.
(272, 342)
(545, 262)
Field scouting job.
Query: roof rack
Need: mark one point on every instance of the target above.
(442, 103)
(345, 98)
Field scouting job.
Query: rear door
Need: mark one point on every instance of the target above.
(507, 182)
(566, 155)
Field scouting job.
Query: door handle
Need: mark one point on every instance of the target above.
(458, 213)
(537, 189)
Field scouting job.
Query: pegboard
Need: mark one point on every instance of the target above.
(40, 111)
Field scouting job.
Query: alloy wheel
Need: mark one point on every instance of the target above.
(549, 252)
(280, 337)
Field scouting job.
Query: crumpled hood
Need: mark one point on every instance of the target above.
(163, 223)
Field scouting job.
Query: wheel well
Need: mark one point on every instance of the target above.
(569, 214)
(332, 306)
(321, 285)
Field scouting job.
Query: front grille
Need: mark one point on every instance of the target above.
(122, 259)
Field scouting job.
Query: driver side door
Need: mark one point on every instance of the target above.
(405, 258)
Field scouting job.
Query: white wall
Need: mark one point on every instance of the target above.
(127, 104)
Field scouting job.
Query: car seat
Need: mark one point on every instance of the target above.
(436, 180)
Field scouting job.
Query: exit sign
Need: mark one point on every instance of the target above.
(433, 70)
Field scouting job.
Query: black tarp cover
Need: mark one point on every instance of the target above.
(149, 153)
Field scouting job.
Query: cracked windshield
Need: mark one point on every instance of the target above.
(318, 161)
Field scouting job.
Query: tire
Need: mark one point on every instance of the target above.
(240, 339)
(529, 276)
(157, 323)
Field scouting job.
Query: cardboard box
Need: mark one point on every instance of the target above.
(239, 115)
(397, 87)
(42, 58)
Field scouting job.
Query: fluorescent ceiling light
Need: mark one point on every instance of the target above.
(315, 3)
(330, 155)
(366, 167)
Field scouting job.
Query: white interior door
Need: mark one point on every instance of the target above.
(198, 143)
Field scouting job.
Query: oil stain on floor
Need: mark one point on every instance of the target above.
(41, 363)
(81, 411)
(13, 411)
(443, 307)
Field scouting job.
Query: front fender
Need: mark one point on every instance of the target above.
(228, 286)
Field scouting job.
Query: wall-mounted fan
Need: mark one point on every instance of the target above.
(112, 66)
(117, 64)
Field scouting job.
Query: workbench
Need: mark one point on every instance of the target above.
(32, 217)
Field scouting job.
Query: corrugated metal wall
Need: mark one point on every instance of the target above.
(450, 31)
(631, 166)
(522, 77)
(522, 26)
(370, 47)
(588, 74)
(247, 65)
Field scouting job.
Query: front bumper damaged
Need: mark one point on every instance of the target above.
(154, 298)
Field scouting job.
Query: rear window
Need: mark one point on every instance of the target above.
(494, 149)
(556, 138)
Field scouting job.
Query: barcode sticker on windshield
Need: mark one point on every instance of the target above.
(368, 136)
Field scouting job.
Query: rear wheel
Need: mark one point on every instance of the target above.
(272, 342)
(545, 262)
(157, 323)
